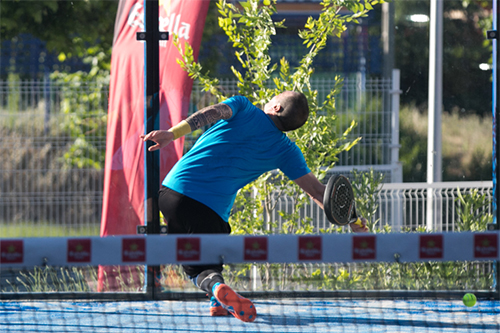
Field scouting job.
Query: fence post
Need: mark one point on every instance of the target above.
(46, 97)
(397, 174)
(396, 168)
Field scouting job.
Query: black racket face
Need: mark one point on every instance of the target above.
(339, 200)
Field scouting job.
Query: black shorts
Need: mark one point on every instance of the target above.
(184, 215)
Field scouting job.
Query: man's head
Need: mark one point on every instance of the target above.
(290, 108)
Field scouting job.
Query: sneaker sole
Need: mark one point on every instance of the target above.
(238, 306)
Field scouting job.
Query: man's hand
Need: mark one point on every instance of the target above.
(357, 228)
(161, 138)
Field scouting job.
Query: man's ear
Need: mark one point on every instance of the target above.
(277, 107)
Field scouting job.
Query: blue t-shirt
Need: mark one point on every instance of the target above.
(233, 153)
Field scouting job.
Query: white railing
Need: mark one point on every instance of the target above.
(402, 206)
(405, 205)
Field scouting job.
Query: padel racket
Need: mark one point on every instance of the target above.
(338, 202)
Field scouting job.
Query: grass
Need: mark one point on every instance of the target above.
(466, 145)
(271, 277)
(46, 229)
(32, 122)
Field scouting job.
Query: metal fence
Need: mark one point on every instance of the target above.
(405, 206)
(372, 102)
(40, 195)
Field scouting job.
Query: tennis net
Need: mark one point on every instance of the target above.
(299, 283)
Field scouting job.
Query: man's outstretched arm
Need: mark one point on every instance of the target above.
(313, 187)
(203, 117)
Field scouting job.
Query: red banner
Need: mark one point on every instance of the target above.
(123, 200)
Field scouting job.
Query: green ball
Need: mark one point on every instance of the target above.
(267, 2)
(469, 299)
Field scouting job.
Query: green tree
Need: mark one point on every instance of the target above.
(82, 29)
(249, 28)
(70, 28)
(85, 119)
(473, 210)
(366, 187)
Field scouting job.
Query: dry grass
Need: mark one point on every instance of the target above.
(466, 143)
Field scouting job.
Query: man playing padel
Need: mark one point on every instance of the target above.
(198, 193)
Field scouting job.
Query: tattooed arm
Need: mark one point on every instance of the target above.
(209, 115)
(203, 117)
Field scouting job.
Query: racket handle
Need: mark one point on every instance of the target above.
(358, 222)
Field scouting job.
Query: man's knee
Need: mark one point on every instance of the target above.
(208, 278)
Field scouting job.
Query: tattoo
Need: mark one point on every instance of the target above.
(209, 115)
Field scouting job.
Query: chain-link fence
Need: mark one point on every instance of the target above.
(47, 191)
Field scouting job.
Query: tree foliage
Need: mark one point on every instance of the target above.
(249, 28)
(70, 28)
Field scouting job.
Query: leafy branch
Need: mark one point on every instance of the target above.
(249, 28)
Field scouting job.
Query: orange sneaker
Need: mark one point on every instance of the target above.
(216, 310)
(238, 306)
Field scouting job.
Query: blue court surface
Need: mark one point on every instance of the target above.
(298, 315)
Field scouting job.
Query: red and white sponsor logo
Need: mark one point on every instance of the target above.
(363, 247)
(255, 248)
(431, 246)
(11, 251)
(79, 250)
(188, 249)
(133, 250)
(485, 246)
(310, 248)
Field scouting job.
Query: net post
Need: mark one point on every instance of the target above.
(151, 36)
(493, 36)
(496, 132)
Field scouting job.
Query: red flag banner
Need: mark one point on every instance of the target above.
(123, 198)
